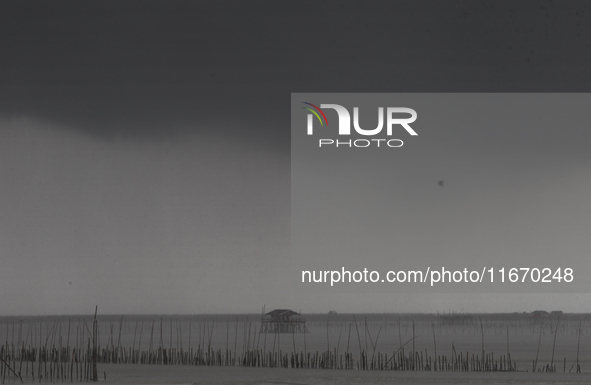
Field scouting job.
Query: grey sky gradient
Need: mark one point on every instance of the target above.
(144, 146)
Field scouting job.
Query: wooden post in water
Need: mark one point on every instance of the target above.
(94, 352)
(482, 334)
(554, 343)
(347, 352)
(578, 345)
(508, 354)
(413, 345)
(358, 337)
(119, 342)
(435, 346)
(538, 353)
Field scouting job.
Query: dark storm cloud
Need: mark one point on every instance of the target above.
(142, 69)
(211, 210)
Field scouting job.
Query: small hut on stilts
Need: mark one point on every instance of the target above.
(282, 321)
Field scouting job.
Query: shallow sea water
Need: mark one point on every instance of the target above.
(562, 343)
(158, 374)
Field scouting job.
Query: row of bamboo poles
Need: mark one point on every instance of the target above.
(55, 363)
(75, 358)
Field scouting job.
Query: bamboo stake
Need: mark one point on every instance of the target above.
(358, 337)
(538, 353)
(435, 345)
(578, 345)
(554, 343)
(94, 352)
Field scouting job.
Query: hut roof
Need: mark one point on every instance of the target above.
(278, 312)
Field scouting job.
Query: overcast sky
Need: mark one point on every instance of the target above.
(145, 146)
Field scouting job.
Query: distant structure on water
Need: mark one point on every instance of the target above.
(539, 314)
(545, 314)
(283, 321)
